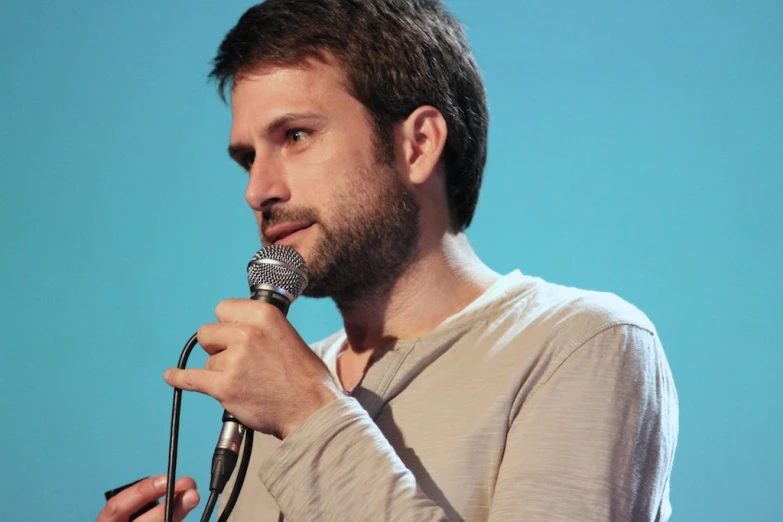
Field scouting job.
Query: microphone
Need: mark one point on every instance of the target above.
(277, 275)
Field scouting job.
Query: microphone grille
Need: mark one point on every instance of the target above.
(279, 267)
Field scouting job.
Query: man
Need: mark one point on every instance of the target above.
(452, 393)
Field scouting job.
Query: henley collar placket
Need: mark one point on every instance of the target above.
(373, 390)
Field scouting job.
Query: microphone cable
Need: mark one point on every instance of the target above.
(173, 448)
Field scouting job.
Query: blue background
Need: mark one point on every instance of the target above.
(635, 147)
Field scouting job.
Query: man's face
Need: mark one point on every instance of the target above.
(318, 182)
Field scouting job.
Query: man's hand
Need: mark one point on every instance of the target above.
(120, 507)
(259, 368)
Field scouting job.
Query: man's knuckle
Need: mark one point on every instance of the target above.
(113, 507)
(248, 333)
(203, 331)
(267, 312)
(221, 390)
(242, 333)
(220, 309)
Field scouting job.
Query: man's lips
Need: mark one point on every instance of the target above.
(275, 233)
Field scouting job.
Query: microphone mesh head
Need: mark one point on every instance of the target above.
(278, 266)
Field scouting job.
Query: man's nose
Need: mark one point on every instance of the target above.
(266, 186)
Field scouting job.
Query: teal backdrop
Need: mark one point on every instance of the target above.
(635, 147)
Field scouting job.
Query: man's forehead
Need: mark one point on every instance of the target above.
(299, 77)
(309, 85)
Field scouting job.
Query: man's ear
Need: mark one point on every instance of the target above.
(422, 137)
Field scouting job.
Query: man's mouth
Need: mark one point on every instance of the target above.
(277, 233)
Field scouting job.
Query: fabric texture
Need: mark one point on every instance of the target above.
(537, 402)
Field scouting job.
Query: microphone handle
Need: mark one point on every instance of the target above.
(227, 450)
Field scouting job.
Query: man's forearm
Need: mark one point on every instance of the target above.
(338, 466)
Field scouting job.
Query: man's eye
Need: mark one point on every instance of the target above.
(248, 159)
(296, 135)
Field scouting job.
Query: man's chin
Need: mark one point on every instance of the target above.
(316, 287)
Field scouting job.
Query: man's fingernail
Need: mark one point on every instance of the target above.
(159, 482)
(190, 499)
(166, 374)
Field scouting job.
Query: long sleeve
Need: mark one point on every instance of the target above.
(595, 441)
(338, 466)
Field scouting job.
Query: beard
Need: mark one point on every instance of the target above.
(368, 242)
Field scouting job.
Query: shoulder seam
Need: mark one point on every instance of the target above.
(570, 352)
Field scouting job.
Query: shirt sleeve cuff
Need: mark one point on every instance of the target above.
(299, 457)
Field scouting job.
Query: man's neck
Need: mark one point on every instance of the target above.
(443, 279)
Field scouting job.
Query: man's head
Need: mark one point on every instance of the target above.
(398, 60)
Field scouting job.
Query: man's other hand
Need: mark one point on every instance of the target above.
(120, 507)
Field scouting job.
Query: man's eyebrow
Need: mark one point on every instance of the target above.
(273, 127)
(283, 120)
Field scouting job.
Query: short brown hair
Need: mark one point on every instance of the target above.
(397, 55)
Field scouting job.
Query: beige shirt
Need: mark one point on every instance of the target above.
(537, 402)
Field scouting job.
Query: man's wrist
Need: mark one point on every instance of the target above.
(324, 396)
